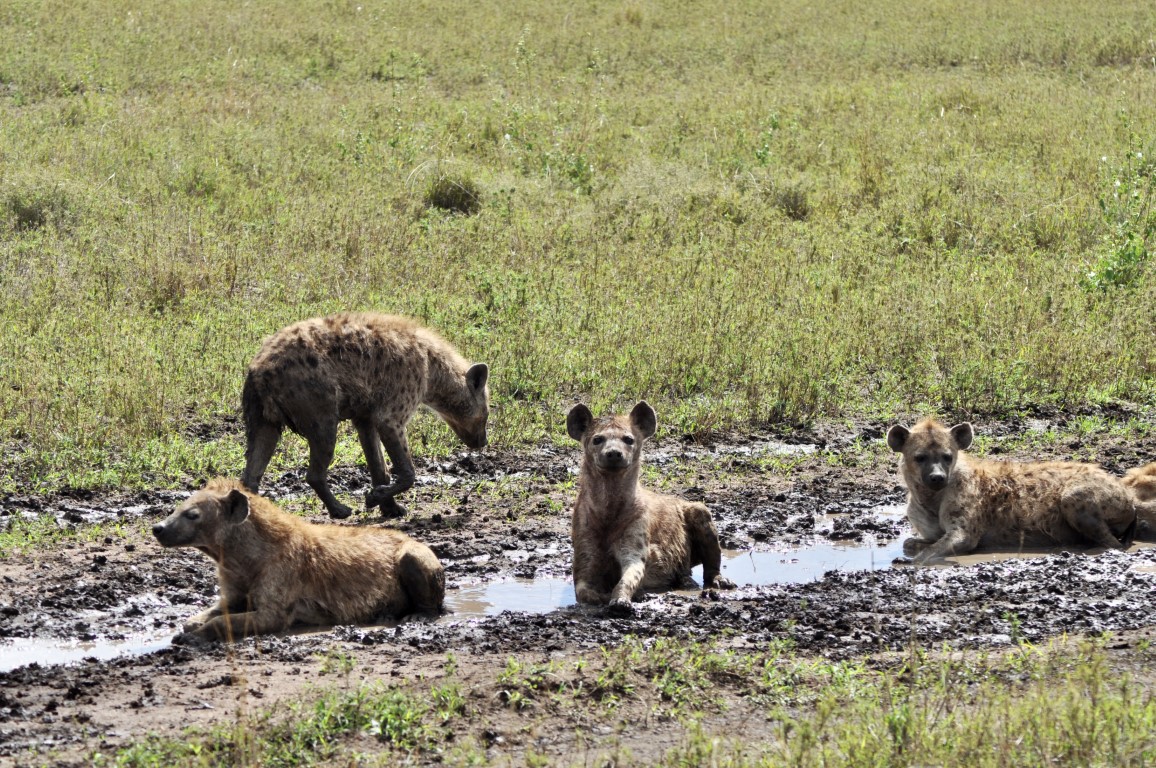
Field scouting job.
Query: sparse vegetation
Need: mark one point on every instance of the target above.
(1067, 703)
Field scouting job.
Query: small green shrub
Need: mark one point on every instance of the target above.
(457, 194)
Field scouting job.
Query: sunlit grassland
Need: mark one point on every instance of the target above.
(760, 212)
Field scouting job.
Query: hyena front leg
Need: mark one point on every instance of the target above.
(704, 547)
(403, 473)
(958, 540)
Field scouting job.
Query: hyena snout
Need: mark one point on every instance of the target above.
(474, 436)
(611, 453)
(170, 535)
(935, 477)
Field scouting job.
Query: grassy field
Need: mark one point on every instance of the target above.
(750, 213)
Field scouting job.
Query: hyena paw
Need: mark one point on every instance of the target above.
(914, 545)
(340, 512)
(621, 607)
(191, 640)
(929, 557)
(382, 496)
(720, 582)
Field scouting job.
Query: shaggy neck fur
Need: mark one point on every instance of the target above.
(446, 388)
(609, 493)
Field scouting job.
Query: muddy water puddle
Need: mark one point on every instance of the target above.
(744, 567)
(20, 652)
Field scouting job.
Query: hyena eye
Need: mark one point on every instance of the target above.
(947, 457)
(192, 514)
(920, 458)
(599, 440)
(628, 440)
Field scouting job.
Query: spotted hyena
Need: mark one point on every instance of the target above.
(628, 539)
(957, 502)
(374, 370)
(276, 569)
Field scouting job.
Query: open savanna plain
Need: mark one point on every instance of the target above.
(784, 224)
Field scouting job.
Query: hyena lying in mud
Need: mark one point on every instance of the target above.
(628, 539)
(369, 368)
(1141, 481)
(275, 569)
(957, 502)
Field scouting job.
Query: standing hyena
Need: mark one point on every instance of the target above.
(275, 569)
(957, 502)
(372, 369)
(628, 539)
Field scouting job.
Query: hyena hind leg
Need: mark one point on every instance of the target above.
(1081, 510)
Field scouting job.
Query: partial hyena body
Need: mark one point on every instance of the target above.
(957, 503)
(1141, 481)
(627, 539)
(275, 569)
(374, 370)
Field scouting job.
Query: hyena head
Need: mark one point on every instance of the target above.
(469, 414)
(200, 520)
(612, 443)
(929, 450)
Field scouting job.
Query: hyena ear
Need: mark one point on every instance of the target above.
(235, 507)
(578, 421)
(962, 435)
(477, 376)
(897, 437)
(643, 417)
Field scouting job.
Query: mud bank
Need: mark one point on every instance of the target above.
(500, 522)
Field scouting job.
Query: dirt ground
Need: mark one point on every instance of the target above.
(495, 517)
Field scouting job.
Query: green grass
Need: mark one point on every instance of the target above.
(757, 213)
(1069, 703)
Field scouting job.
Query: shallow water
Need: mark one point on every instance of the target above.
(744, 567)
(18, 652)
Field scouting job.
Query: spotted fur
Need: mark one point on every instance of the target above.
(371, 369)
(275, 569)
(628, 539)
(957, 502)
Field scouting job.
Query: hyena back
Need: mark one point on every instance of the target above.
(374, 370)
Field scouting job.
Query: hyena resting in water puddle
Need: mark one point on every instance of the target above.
(372, 369)
(628, 539)
(957, 502)
(276, 570)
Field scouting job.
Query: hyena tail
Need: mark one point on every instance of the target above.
(252, 407)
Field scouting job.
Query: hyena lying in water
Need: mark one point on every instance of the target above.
(275, 569)
(372, 369)
(628, 539)
(957, 502)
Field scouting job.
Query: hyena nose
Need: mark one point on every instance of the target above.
(937, 480)
(158, 529)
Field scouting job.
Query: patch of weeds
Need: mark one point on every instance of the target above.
(456, 194)
(792, 200)
(306, 733)
(522, 685)
(35, 203)
(1128, 209)
(336, 661)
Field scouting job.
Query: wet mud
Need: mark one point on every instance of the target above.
(811, 523)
